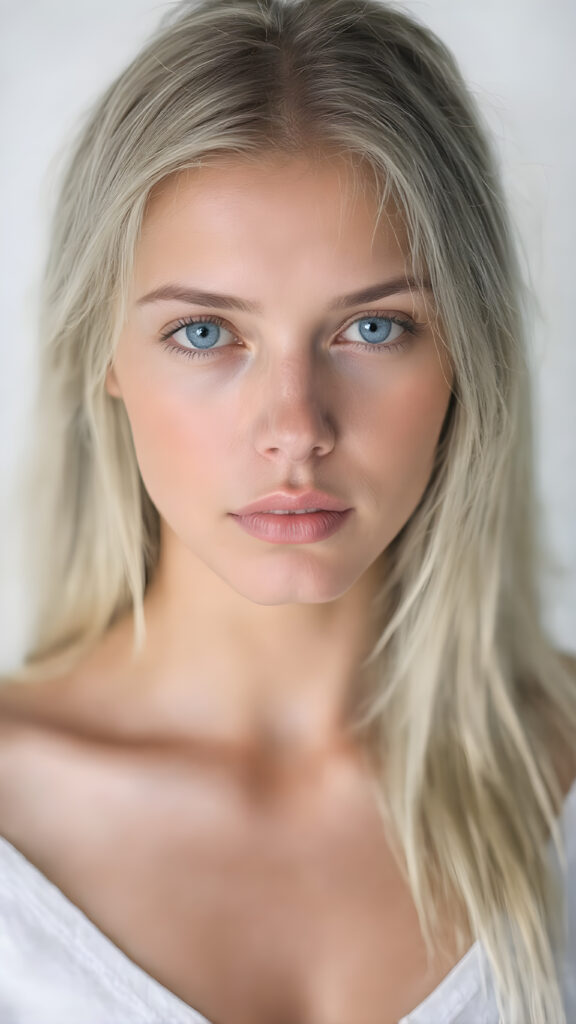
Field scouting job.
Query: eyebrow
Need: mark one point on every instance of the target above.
(194, 296)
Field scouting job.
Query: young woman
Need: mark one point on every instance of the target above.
(290, 744)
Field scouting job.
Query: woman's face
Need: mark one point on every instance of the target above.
(289, 391)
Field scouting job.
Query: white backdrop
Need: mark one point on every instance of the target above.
(517, 55)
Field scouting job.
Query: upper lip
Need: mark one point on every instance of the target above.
(281, 500)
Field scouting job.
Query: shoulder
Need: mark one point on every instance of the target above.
(15, 736)
(26, 706)
(31, 739)
(20, 717)
(15, 717)
(42, 712)
(48, 758)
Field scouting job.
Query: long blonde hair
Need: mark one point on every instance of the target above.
(467, 694)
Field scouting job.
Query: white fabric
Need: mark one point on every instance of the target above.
(56, 967)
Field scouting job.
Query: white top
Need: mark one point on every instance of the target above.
(57, 967)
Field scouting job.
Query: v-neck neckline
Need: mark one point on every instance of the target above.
(56, 911)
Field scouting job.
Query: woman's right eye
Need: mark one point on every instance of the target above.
(201, 333)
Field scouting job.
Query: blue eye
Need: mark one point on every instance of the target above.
(204, 334)
(376, 331)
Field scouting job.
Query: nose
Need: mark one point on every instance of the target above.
(293, 418)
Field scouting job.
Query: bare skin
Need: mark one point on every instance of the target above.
(258, 890)
(291, 397)
(204, 804)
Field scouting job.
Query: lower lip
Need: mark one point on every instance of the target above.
(305, 529)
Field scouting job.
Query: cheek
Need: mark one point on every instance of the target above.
(416, 412)
(404, 425)
(176, 438)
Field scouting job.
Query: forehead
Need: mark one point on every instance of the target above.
(293, 197)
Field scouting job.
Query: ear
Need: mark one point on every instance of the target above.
(111, 383)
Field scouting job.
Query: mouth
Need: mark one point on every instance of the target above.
(286, 512)
(309, 502)
(298, 527)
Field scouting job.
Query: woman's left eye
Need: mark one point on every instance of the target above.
(376, 333)
(381, 332)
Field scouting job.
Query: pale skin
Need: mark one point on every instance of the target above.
(222, 751)
(285, 407)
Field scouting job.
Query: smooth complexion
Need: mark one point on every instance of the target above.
(204, 806)
(250, 640)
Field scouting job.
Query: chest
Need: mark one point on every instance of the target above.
(298, 916)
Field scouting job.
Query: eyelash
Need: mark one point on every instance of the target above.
(412, 326)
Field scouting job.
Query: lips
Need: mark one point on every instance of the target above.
(293, 529)
(284, 501)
